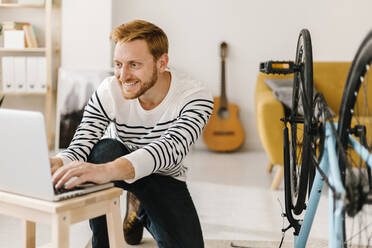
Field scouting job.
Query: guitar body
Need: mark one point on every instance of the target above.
(224, 132)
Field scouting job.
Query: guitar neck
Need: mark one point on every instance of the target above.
(223, 85)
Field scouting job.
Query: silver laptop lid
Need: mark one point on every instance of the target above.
(24, 162)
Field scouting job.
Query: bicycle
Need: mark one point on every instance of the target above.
(341, 161)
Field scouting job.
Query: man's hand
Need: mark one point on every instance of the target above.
(55, 164)
(119, 169)
(83, 172)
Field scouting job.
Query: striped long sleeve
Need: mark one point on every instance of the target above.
(165, 154)
(159, 139)
(92, 127)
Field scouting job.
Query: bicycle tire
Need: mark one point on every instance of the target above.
(300, 146)
(350, 112)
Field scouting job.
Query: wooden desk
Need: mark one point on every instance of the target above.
(60, 215)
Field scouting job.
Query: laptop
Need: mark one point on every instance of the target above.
(24, 159)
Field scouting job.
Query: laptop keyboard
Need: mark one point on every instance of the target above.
(64, 190)
(81, 186)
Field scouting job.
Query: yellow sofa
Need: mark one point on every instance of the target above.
(329, 79)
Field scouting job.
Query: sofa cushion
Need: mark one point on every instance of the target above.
(284, 95)
(282, 90)
(278, 83)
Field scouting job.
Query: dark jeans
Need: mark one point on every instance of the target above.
(167, 210)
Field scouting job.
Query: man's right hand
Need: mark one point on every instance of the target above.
(55, 164)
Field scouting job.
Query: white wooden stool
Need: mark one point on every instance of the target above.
(60, 215)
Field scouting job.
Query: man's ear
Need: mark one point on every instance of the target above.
(163, 62)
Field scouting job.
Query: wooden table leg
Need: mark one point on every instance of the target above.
(61, 230)
(28, 234)
(114, 224)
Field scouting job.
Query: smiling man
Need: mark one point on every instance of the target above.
(158, 113)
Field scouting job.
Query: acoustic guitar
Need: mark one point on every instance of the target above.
(223, 132)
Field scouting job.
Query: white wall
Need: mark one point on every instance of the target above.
(86, 26)
(255, 31)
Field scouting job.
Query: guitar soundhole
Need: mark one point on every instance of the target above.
(223, 113)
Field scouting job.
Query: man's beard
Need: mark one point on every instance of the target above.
(144, 85)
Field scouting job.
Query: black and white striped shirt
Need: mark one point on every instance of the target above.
(159, 138)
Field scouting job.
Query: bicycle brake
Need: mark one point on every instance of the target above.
(278, 67)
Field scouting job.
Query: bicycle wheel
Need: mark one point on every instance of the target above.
(300, 122)
(356, 119)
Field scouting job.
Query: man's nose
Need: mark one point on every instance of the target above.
(124, 74)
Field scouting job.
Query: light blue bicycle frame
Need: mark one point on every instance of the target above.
(329, 165)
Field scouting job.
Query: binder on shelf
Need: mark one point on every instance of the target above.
(7, 68)
(32, 71)
(41, 85)
(36, 74)
(24, 74)
(20, 73)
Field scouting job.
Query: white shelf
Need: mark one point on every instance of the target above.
(31, 50)
(16, 5)
(22, 93)
(50, 50)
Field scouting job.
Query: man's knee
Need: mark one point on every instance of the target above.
(107, 150)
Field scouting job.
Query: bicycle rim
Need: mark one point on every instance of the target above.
(356, 111)
(300, 122)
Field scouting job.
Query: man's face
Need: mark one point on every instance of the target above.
(135, 68)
